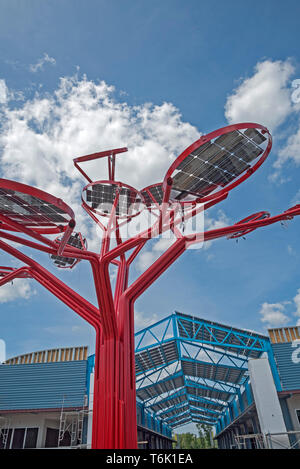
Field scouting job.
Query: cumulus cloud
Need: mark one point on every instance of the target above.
(41, 62)
(40, 138)
(290, 151)
(273, 314)
(276, 314)
(265, 97)
(20, 288)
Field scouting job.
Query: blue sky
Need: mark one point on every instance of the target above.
(178, 68)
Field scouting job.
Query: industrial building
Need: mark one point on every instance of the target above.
(188, 369)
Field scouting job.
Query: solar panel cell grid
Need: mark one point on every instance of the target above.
(30, 211)
(216, 164)
(256, 136)
(101, 197)
(153, 195)
(62, 261)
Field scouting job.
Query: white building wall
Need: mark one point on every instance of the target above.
(267, 401)
(40, 420)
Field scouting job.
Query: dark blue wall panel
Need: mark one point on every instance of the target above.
(288, 362)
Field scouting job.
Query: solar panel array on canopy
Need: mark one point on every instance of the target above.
(156, 389)
(215, 394)
(216, 163)
(100, 197)
(36, 211)
(75, 241)
(209, 331)
(156, 356)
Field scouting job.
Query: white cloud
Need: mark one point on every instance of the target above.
(265, 97)
(40, 138)
(19, 289)
(291, 151)
(296, 300)
(148, 257)
(3, 92)
(273, 314)
(41, 62)
(276, 315)
(142, 320)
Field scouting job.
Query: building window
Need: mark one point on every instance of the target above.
(31, 437)
(52, 437)
(298, 415)
(18, 438)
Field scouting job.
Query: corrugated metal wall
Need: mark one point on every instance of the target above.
(287, 358)
(42, 385)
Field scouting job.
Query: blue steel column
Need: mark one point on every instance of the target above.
(274, 367)
(248, 393)
(242, 407)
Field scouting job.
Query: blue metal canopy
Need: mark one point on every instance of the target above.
(191, 369)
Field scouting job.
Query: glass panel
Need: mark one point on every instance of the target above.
(31, 437)
(18, 438)
(51, 438)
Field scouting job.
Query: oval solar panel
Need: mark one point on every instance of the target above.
(77, 241)
(32, 208)
(218, 161)
(153, 195)
(100, 197)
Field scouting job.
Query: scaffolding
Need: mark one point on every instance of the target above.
(71, 422)
(4, 429)
(268, 440)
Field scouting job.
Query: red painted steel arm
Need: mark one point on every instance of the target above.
(253, 225)
(94, 156)
(92, 312)
(15, 273)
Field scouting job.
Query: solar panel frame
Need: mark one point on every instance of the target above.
(217, 149)
(63, 262)
(33, 208)
(99, 197)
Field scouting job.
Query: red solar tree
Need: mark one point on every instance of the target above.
(199, 178)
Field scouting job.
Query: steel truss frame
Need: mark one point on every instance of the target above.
(173, 394)
(114, 415)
